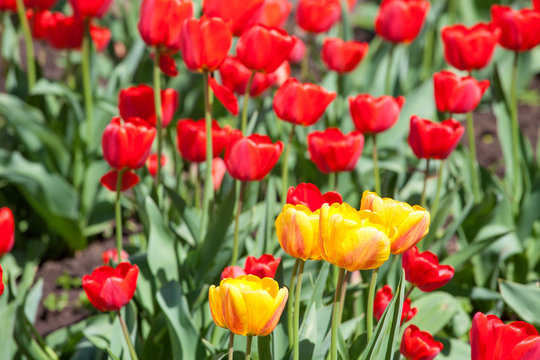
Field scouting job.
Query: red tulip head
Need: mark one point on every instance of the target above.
(419, 345)
(232, 272)
(470, 48)
(520, 29)
(374, 115)
(7, 230)
(383, 298)
(301, 104)
(251, 158)
(343, 56)
(110, 289)
(90, 8)
(110, 180)
(265, 266)
(457, 95)
(318, 16)
(235, 77)
(275, 13)
(332, 151)
(138, 101)
(218, 172)
(39, 22)
(191, 139)
(152, 163)
(424, 271)
(430, 140)
(111, 255)
(401, 20)
(241, 14)
(309, 195)
(225, 96)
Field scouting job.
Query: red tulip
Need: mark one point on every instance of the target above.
(309, 195)
(401, 20)
(424, 271)
(264, 49)
(232, 272)
(374, 115)
(318, 16)
(457, 95)
(520, 29)
(241, 14)
(491, 339)
(39, 22)
(66, 32)
(343, 56)
(109, 289)
(332, 151)
(152, 163)
(39, 4)
(536, 4)
(191, 139)
(470, 48)
(161, 22)
(110, 179)
(251, 158)
(225, 96)
(298, 51)
(419, 345)
(282, 74)
(138, 101)
(383, 298)
(218, 172)
(275, 13)
(8, 5)
(1, 280)
(205, 43)
(430, 140)
(100, 36)
(301, 104)
(167, 64)
(90, 8)
(111, 255)
(127, 144)
(265, 266)
(7, 231)
(235, 77)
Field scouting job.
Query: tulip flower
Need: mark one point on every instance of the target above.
(264, 49)
(39, 22)
(191, 139)
(232, 272)
(309, 195)
(205, 43)
(343, 56)
(374, 115)
(536, 4)
(470, 48)
(298, 51)
(297, 229)
(138, 101)
(224, 95)
(520, 29)
(264, 266)
(110, 180)
(434, 140)
(494, 340)
(247, 305)
(111, 255)
(383, 298)
(66, 32)
(90, 8)
(419, 345)
(110, 289)
(152, 163)
(401, 20)
(235, 77)
(160, 23)
(274, 13)
(318, 16)
(457, 95)
(167, 64)
(301, 104)
(409, 223)
(241, 14)
(1, 280)
(11, 5)
(8, 5)
(333, 152)
(7, 231)
(251, 158)
(218, 172)
(424, 271)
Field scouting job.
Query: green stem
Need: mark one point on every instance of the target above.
(473, 162)
(426, 173)
(371, 297)
(389, 85)
(376, 166)
(346, 278)
(408, 293)
(208, 185)
(128, 339)
(246, 102)
(290, 303)
(248, 347)
(118, 214)
(296, 349)
(515, 125)
(285, 174)
(30, 61)
(87, 84)
(335, 316)
(435, 205)
(70, 78)
(159, 116)
(231, 345)
(48, 350)
(176, 159)
(237, 223)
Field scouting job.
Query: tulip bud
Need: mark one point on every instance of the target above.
(7, 231)
(332, 151)
(419, 345)
(152, 163)
(191, 139)
(374, 115)
(318, 16)
(457, 95)
(520, 29)
(265, 266)
(423, 270)
(401, 20)
(111, 255)
(430, 140)
(138, 101)
(343, 56)
(232, 272)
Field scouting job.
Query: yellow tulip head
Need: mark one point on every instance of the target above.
(411, 222)
(247, 305)
(351, 239)
(297, 230)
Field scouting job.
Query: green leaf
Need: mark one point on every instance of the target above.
(523, 299)
(263, 343)
(435, 310)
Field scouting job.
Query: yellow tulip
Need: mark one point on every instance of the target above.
(411, 222)
(297, 230)
(351, 239)
(247, 305)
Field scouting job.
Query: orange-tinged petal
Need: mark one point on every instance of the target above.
(235, 310)
(278, 306)
(216, 306)
(366, 248)
(411, 231)
(298, 232)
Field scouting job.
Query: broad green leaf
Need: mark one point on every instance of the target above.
(435, 310)
(523, 299)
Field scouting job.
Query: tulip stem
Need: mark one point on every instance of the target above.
(305, 60)
(30, 62)
(371, 297)
(118, 214)
(290, 307)
(473, 162)
(346, 279)
(376, 166)
(438, 192)
(87, 84)
(389, 85)
(408, 292)
(426, 174)
(208, 185)
(126, 335)
(231, 345)
(515, 126)
(298, 290)
(239, 201)
(70, 79)
(248, 347)
(246, 102)
(335, 316)
(159, 115)
(285, 174)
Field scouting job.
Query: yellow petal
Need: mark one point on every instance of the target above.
(366, 248)
(235, 311)
(411, 231)
(215, 306)
(277, 306)
(298, 232)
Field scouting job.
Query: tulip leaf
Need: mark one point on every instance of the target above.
(435, 310)
(523, 299)
(263, 343)
(454, 349)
